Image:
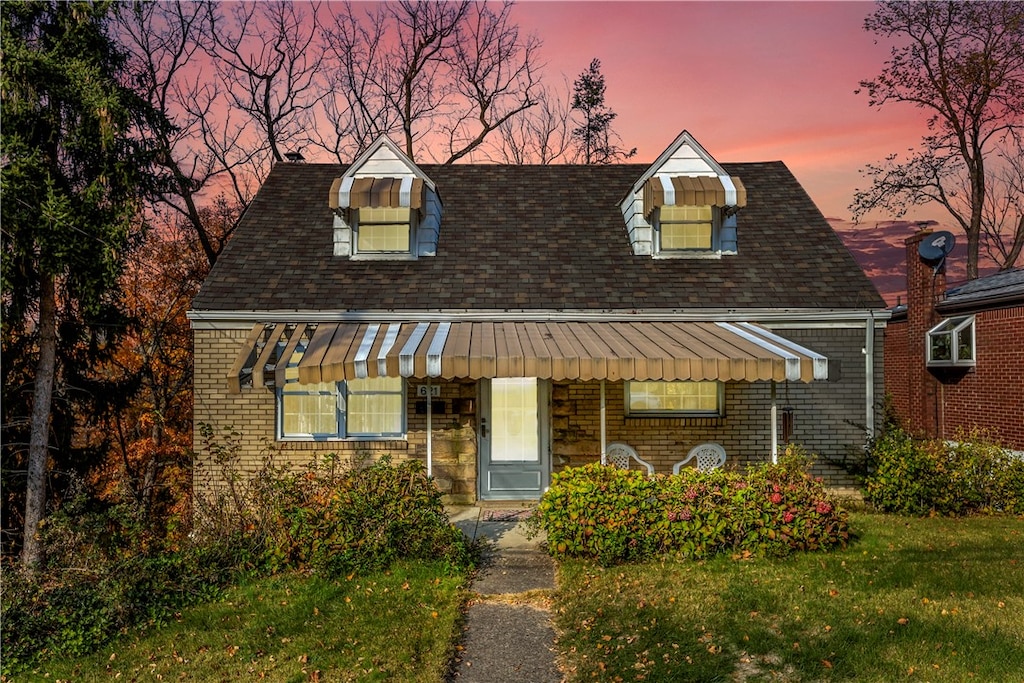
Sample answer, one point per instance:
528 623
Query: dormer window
384 229
684 205
385 207
684 229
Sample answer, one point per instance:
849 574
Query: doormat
506 515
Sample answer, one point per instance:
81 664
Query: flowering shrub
614 515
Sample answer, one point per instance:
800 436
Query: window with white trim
386 230
681 230
951 343
679 398
372 408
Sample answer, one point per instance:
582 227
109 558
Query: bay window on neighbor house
384 229
682 398
683 229
951 343
371 408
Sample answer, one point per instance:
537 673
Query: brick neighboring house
954 357
502 322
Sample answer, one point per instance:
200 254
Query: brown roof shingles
532 237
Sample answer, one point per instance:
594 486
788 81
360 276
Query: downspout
869 374
775 427
604 436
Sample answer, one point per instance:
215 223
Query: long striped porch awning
555 350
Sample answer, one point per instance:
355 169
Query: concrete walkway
507 636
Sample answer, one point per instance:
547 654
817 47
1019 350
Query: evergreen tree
594 134
72 182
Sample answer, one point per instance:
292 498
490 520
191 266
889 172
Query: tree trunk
38 450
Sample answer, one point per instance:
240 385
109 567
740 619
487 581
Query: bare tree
162 40
539 135
268 61
963 63
1002 218
452 72
239 88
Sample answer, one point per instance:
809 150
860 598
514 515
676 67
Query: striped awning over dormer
681 190
358 192
556 350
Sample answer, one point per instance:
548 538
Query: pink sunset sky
751 81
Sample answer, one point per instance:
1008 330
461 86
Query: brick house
502 322
954 357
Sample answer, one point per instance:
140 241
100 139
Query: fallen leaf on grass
827 664
903 621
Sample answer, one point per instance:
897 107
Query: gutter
206 319
981 304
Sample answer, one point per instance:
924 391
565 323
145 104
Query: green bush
614 515
332 517
107 571
70 609
966 476
335 521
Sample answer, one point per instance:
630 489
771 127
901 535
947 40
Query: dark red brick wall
990 396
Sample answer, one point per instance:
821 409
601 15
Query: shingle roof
532 237
996 289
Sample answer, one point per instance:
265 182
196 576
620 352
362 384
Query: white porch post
775 427
604 436
430 451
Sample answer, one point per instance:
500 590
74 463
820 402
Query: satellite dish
935 248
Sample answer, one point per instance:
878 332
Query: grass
910 599
396 625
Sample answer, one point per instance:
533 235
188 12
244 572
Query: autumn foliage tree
144 433
962 63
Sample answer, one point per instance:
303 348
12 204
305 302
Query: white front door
514 438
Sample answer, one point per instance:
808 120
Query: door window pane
515 424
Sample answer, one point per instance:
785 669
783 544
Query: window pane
941 346
699 214
384 228
374 414
965 343
685 227
515 428
663 397
376 406
304 413
384 214
383 237
685 236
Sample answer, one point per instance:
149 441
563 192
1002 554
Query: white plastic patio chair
709 456
619 455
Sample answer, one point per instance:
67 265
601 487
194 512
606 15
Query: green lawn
393 626
910 599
